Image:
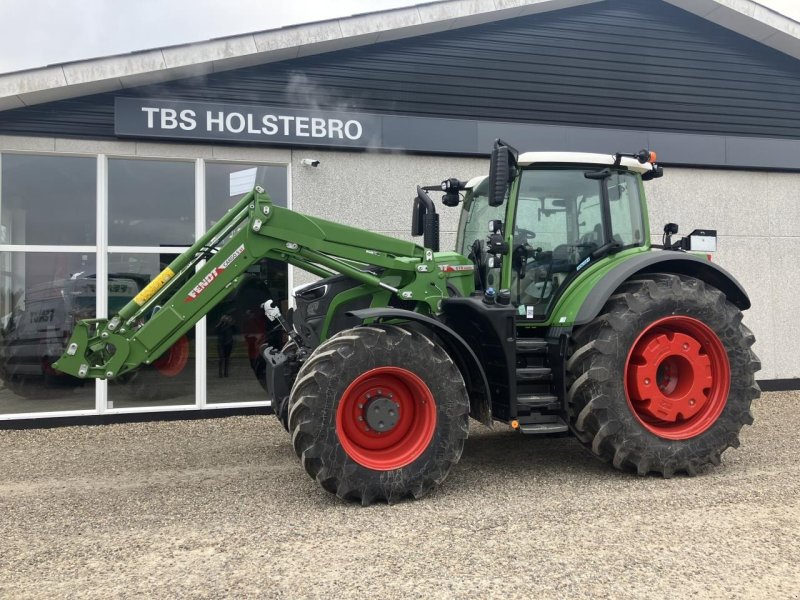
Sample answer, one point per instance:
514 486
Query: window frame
101 250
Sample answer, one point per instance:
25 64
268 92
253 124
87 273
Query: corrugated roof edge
80 78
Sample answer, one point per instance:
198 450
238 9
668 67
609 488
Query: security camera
309 162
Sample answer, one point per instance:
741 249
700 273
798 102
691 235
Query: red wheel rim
174 360
677 377
410 412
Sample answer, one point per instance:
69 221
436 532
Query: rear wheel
379 413
662 380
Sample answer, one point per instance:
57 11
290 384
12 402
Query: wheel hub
670 376
677 377
382 413
386 418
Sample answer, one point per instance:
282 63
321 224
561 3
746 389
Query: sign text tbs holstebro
269 124
143 117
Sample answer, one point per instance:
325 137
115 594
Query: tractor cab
559 212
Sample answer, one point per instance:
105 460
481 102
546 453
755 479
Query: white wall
757 218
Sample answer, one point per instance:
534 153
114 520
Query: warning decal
152 287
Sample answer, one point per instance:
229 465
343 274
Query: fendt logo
209 279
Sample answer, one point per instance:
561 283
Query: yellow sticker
155 285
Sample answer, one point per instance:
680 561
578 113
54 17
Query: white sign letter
150 112
211 121
355 126
270 124
301 126
318 127
168 120
334 126
286 124
187 120
239 127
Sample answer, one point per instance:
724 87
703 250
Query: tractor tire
280 405
280 408
662 380
411 382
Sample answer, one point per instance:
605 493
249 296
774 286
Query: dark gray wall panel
429 135
692 149
618 64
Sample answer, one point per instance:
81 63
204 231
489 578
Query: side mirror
502 171
656 172
424 220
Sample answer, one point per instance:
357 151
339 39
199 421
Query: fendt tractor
554 314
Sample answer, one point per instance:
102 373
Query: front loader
555 313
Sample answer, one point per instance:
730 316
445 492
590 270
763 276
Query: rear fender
480 407
666 261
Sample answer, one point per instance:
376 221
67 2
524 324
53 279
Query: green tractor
554 314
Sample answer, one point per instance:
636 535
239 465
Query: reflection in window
237 328
626 209
42 296
150 203
37 188
218 186
170 379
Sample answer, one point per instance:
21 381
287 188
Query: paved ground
221 508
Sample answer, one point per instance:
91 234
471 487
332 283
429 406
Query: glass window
42 295
237 328
150 202
558 224
218 186
48 200
626 209
170 380
474 227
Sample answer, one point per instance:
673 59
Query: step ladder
539 410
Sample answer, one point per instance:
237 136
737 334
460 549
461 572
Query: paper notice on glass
243 181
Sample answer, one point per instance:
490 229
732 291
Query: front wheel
379 413
662 380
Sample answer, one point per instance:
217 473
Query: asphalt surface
221 508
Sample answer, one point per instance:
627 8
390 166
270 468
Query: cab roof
582 158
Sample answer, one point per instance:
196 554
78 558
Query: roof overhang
107 74
81 78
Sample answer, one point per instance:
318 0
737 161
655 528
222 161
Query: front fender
665 261
458 349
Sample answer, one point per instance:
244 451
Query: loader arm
200 278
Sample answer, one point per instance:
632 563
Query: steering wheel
520 233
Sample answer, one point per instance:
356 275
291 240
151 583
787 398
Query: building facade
109 168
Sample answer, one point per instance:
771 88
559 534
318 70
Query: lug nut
647 381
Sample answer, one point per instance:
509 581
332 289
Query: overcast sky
35 33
